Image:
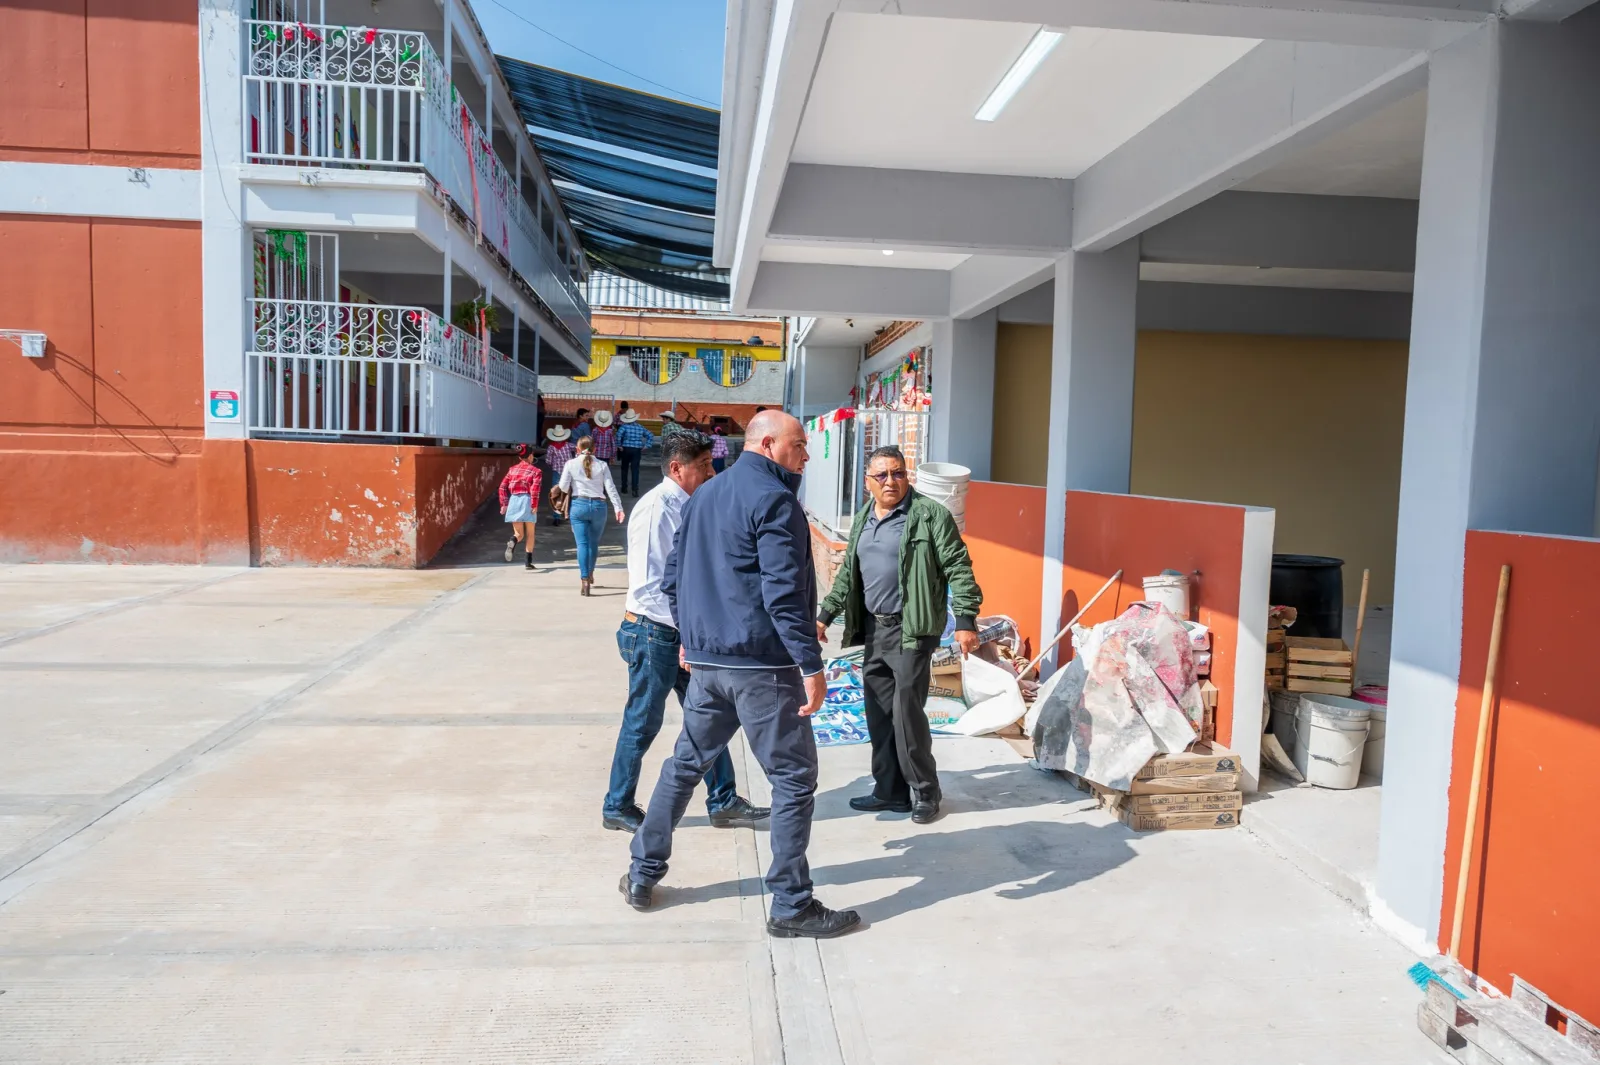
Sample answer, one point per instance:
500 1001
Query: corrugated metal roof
605 289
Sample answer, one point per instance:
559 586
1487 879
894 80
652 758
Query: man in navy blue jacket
744 595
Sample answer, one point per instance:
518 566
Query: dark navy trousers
766 703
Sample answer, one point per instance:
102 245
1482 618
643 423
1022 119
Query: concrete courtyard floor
311 816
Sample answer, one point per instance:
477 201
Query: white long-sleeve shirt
652 530
596 485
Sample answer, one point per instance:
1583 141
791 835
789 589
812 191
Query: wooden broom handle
1490 682
1361 617
1029 668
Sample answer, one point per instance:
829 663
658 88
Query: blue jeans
651 651
629 459
588 517
764 703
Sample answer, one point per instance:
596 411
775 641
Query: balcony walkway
306 815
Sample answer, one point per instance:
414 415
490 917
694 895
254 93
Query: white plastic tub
1331 739
946 484
1171 590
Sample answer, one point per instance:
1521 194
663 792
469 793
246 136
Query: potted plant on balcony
467 313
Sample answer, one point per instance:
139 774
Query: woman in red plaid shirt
558 453
519 501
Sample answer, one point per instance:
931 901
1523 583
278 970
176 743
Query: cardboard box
1161 822
1191 802
946 669
948 685
1204 760
1211 782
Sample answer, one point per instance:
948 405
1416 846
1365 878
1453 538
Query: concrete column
1090 436
963 392
1500 429
225 246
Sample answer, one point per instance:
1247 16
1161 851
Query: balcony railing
332 96
351 369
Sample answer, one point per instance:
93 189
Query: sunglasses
884 478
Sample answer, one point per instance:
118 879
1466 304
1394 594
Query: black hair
582 411
887 451
622 406
685 447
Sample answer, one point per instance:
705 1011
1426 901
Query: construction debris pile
1127 719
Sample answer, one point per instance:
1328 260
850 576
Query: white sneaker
511 548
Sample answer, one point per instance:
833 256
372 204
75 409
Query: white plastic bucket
946 483
1171 590
1331 739
1372 760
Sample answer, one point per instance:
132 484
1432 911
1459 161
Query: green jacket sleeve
966 598
834 604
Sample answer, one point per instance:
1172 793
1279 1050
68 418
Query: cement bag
993 698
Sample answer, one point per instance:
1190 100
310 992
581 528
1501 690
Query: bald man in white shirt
648 642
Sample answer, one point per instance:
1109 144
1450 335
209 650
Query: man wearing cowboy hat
559 453
632 439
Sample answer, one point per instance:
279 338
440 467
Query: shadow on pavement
1024 860
994 787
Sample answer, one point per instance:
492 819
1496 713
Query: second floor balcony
382 99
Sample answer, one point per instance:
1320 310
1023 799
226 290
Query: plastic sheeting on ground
1128 694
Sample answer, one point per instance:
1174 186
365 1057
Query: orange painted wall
450 486
641 325
1142 536
101 81
1005 536
1534 882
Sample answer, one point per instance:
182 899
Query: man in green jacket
905 556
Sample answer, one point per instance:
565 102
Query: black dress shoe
816 921
638 895
925 813
627 820
871 804
741 813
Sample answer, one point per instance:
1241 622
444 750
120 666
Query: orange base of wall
236 502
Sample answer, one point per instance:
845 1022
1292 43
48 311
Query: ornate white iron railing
340 96
351 369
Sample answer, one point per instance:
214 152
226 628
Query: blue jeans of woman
651 651
588 517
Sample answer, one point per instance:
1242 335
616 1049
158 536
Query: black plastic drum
1314 586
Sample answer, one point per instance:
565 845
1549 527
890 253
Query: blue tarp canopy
645 220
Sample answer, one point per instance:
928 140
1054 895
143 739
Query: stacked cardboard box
946 679
1319 665
1195 790
1279 618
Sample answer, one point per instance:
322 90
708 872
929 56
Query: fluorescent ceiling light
1042 44
888 251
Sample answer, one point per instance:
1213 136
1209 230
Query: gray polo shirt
878 556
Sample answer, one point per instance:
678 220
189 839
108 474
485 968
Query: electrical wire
667 88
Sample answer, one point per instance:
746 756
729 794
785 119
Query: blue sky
675 43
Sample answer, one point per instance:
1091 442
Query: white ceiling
841 256
1277 277
1378 156
893 91
845 332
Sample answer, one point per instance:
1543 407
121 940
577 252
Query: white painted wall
830 374
962 367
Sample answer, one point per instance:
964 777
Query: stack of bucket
946 483
1330 739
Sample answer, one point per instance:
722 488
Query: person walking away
719 449
904 561
580 424
742 592
648 642
632 440
557 455
669 424
519 502
605 437
587 482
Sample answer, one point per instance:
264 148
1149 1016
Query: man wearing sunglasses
905 558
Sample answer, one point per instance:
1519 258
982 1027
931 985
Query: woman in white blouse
587 482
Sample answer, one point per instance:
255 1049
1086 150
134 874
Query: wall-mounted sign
223 405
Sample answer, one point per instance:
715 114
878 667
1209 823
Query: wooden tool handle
1029 668
1485 713
1361 617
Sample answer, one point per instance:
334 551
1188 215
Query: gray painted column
225 246
963 392
1091 395
1500 428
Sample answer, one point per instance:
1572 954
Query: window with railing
674 365
725 369
740 367
645 362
